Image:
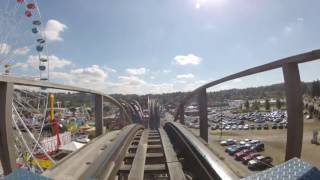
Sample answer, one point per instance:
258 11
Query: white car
228 142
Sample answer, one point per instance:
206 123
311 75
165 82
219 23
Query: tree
311 110
256 105
315 88
247 105
278 104
267 104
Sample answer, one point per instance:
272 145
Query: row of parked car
251 126
260 117
247 151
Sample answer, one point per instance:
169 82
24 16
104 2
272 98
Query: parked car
260 120
260 163
259 127
227 127
274 126
252 126
242 153
246 127
235 149
266 126
258 147
228 142
231 147
245 141
214 127
240 127
249 157
280 126
277 120
254 141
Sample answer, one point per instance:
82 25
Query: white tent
72 146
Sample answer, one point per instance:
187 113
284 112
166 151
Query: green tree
278 104
315 88
247 105
267 104
256 105
311 110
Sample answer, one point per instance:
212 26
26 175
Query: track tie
147 168
148 155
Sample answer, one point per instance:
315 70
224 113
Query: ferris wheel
22 33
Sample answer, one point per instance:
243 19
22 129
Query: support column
181 113
99 114
7 151
203 114
294 110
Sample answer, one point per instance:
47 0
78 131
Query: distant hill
262 92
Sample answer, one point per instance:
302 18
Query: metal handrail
300 58
293 91
45 84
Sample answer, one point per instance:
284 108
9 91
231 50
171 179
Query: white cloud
166 71
131 80
54 62
187 59
61 75
272 40
21 51
137 71
193 85
300 19
185 76
53 30
237 80
4 48
22 66
288 29
108 69
90 74
139 88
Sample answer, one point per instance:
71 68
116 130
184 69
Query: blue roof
294 169
25 175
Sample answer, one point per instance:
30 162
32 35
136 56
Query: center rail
151 156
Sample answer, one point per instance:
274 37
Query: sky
152 46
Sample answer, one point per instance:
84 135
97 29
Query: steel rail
205 164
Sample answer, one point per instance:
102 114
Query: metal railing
293 92
7 83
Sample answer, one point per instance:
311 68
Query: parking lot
274 140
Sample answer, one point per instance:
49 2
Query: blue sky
149 46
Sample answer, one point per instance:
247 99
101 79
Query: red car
246 159
243 153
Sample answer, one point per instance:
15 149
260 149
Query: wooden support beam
294 110
7 151
203 114
99 114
